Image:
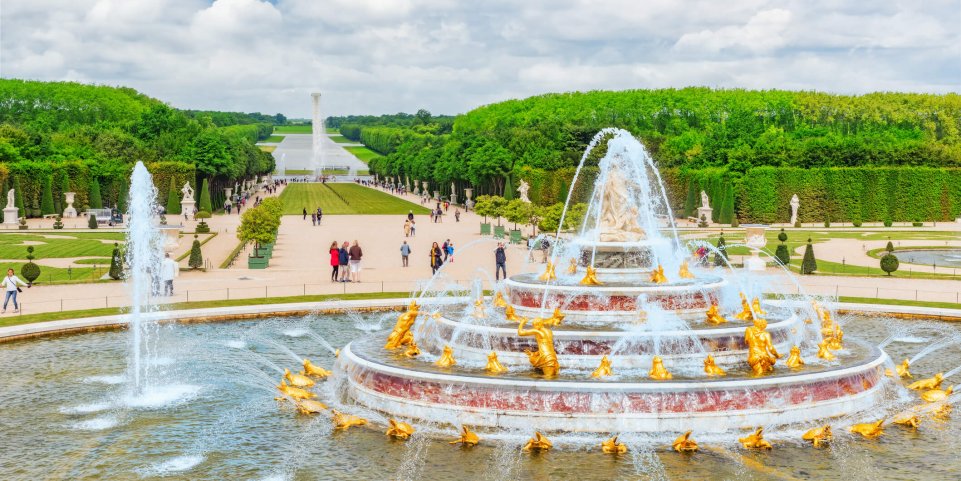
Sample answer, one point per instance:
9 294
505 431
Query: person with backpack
443 249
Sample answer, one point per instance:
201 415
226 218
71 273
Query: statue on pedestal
11 199
187 191
618 212
522 190
795 205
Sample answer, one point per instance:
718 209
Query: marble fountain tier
624 301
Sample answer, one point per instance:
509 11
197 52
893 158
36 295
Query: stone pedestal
453 198
227 192
187 207
10 216
755 238
69 212
706 212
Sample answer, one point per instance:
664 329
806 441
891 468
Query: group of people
315 216
439 255
345 262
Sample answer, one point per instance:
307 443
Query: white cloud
377 56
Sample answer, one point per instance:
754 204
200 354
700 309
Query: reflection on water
60 400
938 257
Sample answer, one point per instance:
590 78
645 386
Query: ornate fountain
628 336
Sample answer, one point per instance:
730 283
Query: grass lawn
80 244
336 171
362 200
363 172
98 261
57 275
268 148
362 153
273 139
340 139
333 130
298 172
293 129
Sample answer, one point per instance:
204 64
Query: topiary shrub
196 257
58 224
173 199
827 223
720 258
202 226
809 264
116 263
23 224
735 223
888 222
703 222
889 247
917 224
856 223
92 222
797 224
889 263
30 271
782 254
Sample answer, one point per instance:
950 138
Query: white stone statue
795 205
618 212
522 190
11 213
187 191
11 199
705 201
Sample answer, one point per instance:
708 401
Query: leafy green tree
95 201
18 197
720 257
889 263
484 206
46 202
423 116
173 199
30 271
116 263
205 204
196 257
122 197
258 225
809 264
518 212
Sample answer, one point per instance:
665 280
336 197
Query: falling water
144 248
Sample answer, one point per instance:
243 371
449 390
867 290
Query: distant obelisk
317 127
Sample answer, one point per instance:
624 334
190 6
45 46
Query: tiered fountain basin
619 299
386 381
583 346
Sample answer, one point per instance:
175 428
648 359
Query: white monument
619 215
317 127
522 190
10 213
453 193
755 238
69 212
187 203
795 204
705 209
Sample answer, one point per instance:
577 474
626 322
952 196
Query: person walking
305 213
450 251
500 261
227 206
443 249
343 258
456 215
313 218
12 284
355 255
168 272
320 215
413 228
404 252
407 228
410 215
435 258
334 260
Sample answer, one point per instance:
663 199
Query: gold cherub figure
835 341
714 315
479 311
684 443
868 430
412 350
510 314
493 365
467 438
745 314
399 430
545 358
538 443
590 278
548 274
557 317
684 272
401 335
572 266
756 440
824 352
343 421
611 446
658 371
929 383
711 368
298 380
904 369
818 436
756 306
499 300
604 369
447 358
761 352
313 370
794 359
294 392
657 275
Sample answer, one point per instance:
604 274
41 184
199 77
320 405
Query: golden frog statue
818 436
745 314
907 419
755 441
313 370
538 443
935 395
545 358
447 358
298 380
557 317
399 430
499 300
711 368
611 446
714 315
307 406
756 306
510 314
657 275
401 335
479 311
658 371
824 352
604 369
761 353
794 359
548 274
412 350
467 438
868 430
904 369
684 443
684 272
343 422
929 383
836 341
493 365
294 392
590 278
572 267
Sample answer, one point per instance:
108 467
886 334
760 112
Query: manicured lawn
340 139
81 244
293 129
333 130
298 172
362 153
363 172
58 275
98 261
352 199
273 139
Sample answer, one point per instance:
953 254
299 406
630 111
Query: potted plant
498 207
257 225
484 206
517 211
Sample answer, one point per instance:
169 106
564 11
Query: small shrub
196 257
703 222
809 264
735 223
116 263
782 254
889 263
720 257
58 224
23 223
782 236
30 271
797 224
856 223
202 226
92 222
889 247
917 224
888 222
827 223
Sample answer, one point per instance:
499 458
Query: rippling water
939 257
64 414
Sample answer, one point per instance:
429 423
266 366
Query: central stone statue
618 212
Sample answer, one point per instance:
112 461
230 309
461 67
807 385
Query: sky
387 56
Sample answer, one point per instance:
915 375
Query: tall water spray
144 255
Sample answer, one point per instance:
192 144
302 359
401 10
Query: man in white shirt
168 271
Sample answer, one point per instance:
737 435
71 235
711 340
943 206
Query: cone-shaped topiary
196 257
720 257
18 194
889 263
809 264
30 271
116 263
122 197
46 198
889 247
508 188
96 202
726 216
173 200
92 222
204 205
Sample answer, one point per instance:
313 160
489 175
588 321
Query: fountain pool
939 257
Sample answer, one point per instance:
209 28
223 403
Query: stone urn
755 238
70 211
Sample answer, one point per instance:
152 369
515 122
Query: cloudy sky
383 56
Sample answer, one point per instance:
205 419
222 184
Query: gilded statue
399 430
868 430
761 353
714 315
401 335
824 352
604 369
447 358
298 380
307 406
935 395
619 216
929 383
836 341
755 441
314 371
794 359
685 272
557 317
294 392
494 366
510 314
684 443
657 275
745 314
904 369
711 368
343 421
611 446
658 371
499 300
548 274
467 438
572 267
590 278
756 306
412 350
538 443
545 358
908 419
818 436
479 311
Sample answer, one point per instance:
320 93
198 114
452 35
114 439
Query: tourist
227 206
169 270
413 228
343 260
407 228
313 218
11 283
320 214
334 260
457 215
450 251
500 261
404 252
410 215
443 249
435 258
305 213
355 255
